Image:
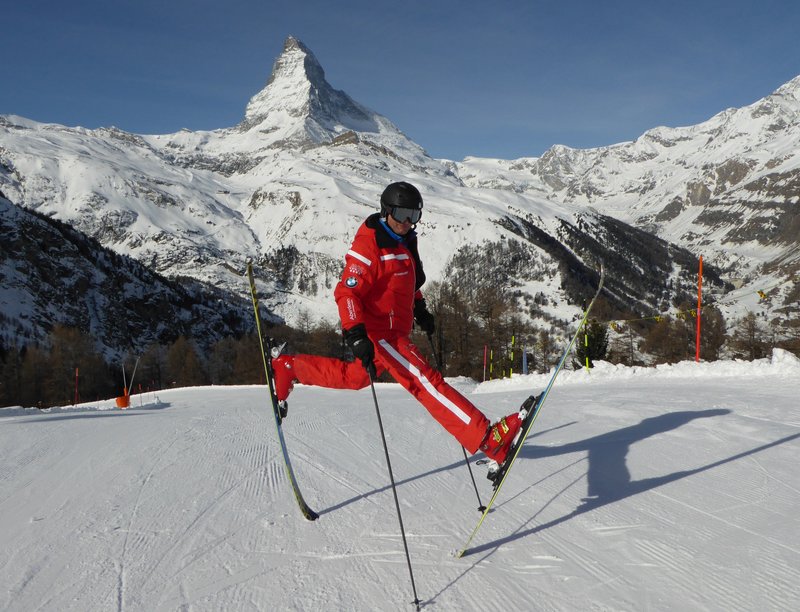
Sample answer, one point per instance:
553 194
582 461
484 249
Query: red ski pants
402 360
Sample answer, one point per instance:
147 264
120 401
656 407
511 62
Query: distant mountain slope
728 188
50 273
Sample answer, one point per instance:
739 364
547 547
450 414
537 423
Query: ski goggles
400 214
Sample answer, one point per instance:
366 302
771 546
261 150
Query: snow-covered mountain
727 188
289 185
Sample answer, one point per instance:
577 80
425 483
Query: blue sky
493 79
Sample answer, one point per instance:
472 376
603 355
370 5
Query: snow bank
147 400
781 364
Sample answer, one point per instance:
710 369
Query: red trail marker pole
699 307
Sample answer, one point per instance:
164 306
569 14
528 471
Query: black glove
362 347
424 318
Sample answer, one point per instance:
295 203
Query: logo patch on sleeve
351 281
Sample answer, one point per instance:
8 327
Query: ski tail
266 350
537 410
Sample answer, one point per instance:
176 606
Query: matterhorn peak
299 103
295 74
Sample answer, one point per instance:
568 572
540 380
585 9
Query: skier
379 299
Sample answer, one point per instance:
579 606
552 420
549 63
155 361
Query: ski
278 411
530 419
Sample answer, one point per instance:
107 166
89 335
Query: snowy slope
671 488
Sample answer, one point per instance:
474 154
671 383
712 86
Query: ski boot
503 439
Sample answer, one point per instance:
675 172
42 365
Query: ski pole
394 489
438 364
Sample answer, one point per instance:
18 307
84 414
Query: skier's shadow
609 479
608 476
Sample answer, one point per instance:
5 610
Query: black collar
383 238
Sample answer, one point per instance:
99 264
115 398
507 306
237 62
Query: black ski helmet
400 195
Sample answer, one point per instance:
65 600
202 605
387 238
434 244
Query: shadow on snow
608 477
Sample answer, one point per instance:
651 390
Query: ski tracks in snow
620 500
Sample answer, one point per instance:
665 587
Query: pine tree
32 375
749 338
592 344
712 334
248 368
667 341
183 365
71 349
152 367
11 376
222 361
547 348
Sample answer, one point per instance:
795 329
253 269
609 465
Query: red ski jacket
380 281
